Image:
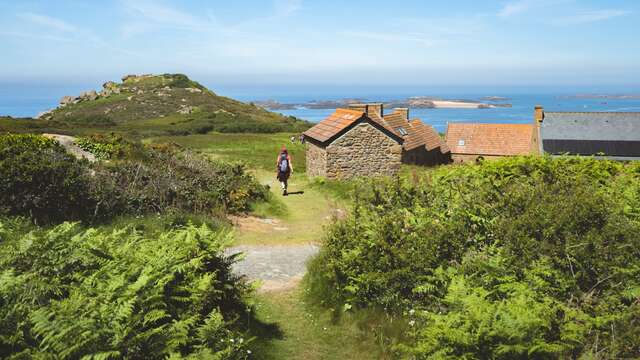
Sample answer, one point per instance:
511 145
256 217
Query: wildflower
412 322
249 352
411 312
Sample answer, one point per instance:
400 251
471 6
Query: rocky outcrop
66 100
88 96
185 109
109 88
133 77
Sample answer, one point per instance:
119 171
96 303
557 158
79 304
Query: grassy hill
149 105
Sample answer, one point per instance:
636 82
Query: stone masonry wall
363 151
316 160
466 158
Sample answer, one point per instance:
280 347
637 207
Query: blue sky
454 43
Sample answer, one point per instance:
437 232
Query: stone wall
316 160
421 156
363 151
466 158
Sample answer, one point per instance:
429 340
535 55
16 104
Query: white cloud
518 7
515 7
590 16
285 8
158 13
48 21
420 39
31 36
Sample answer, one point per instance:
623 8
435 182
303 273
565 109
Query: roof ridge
350 111
492 124
592 112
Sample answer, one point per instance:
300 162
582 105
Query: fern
72 293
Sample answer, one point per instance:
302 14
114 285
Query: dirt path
276 249
69 143
278 267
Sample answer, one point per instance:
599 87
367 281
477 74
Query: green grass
301 216
307 332
258 151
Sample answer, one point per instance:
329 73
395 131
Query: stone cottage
362 141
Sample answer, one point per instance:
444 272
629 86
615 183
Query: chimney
358 107
402 111
377 108
538 114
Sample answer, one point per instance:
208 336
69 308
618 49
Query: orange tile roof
381 121
333 124
395 121
490 139
429 137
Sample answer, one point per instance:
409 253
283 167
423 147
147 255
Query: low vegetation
521 258
40 180
70 292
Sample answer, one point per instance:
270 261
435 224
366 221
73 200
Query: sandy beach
447 104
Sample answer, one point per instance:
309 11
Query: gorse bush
70 293
105 147
520 258
39 179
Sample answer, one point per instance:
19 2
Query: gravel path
278 267
69 143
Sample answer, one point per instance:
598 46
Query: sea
29 100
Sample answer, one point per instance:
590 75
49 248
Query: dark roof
490 139
614 134
591 126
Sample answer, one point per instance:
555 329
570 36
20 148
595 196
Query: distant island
420 102
495 98
604 96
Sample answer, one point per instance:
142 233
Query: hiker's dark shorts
283 176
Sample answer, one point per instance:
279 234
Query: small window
402 131
461 142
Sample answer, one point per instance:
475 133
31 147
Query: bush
526 257
72 293
38 178
105 147
167 181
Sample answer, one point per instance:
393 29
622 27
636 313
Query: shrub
168 181
105 147
38 178
72 293
526 257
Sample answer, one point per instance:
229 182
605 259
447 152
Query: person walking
284 167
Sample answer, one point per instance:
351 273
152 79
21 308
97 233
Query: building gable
342 121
